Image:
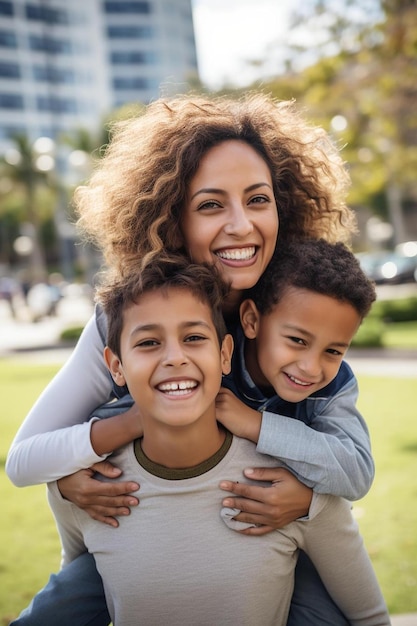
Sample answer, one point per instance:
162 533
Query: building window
6 8
11 101
45 14
50 45
7 39
127 7
130 83
130 32
134 84
10 132
53 75
132 58
9 70
56 105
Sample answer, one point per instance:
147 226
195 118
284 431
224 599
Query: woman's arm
54 439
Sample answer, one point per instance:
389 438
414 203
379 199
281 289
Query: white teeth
299 382
238 254
178 388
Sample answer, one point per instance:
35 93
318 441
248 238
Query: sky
229 33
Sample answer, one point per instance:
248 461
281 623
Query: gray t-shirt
174 560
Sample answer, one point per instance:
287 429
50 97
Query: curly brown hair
131 207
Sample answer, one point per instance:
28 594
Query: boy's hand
103 501
240 419
284 501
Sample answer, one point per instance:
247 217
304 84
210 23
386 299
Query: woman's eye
209 204
259 199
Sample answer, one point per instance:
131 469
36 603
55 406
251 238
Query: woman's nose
239 223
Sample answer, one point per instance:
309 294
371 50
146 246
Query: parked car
389 266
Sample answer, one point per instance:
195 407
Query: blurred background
67 69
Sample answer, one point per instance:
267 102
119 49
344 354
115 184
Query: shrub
401 310
370 333
71 335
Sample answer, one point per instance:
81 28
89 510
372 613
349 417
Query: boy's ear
226 354
115 366
249 318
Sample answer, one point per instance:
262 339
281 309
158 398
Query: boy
172 560
296 325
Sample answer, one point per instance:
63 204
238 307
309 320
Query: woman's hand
103 501
272 507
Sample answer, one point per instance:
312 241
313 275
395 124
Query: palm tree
19 166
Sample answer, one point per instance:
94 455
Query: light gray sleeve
332 454
72 539
54 439
333 542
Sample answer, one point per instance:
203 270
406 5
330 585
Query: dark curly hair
131 207
330 269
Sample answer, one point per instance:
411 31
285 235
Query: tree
363 69
19 166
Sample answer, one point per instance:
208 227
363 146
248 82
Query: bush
71 335
402 310
370 334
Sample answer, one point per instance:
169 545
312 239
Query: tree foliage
363 68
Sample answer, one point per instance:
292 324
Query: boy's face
298 347
171 360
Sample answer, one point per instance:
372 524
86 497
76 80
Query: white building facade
66 64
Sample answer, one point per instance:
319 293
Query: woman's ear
115 366
226 354
249 318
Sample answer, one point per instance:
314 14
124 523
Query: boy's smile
178 388
172 363
297 347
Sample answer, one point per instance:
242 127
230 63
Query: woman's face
230 217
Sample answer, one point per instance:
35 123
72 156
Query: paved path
410 619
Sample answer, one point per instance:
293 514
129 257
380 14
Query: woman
215 179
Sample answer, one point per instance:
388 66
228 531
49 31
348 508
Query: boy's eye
195 338
297 340
146 343
334 352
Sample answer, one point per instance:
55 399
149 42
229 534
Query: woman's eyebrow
215 190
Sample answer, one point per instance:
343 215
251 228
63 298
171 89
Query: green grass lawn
401 335
387 516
